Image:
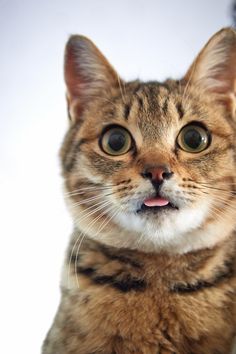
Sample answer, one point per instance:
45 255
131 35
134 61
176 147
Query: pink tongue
151 202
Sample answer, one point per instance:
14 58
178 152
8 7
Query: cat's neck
94 262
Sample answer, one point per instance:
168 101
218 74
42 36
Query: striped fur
149 281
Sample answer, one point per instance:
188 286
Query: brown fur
154 318
139 283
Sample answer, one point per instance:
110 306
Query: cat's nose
157 174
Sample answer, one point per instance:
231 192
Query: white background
142 38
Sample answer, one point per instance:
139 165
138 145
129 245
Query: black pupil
116 140
193 138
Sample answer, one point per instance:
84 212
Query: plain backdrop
142 38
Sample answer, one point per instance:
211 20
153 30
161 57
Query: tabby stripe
165 105
70 159
73 153
140 102
121 258
126 111
180 110
204 284
81 142
68 156
85 271
126 284
153 92
189 288
69 165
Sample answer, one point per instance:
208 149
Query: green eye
116 141
193 138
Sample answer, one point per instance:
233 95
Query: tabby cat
150 180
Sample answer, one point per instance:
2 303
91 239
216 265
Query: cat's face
150 165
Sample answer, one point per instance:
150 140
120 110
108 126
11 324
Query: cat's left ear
214 69
88 75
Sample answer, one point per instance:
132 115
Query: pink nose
157 173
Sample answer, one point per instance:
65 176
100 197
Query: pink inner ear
73 78
214 69
226 73
87 73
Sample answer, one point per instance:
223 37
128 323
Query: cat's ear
214 69
88 74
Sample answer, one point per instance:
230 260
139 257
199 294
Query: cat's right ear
88 74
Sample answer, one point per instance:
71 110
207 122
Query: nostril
167 175
147 175
157 173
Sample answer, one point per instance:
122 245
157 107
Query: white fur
170 231
177 231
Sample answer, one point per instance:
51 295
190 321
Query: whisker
119 82
91 188
221 183
185 96
82 234
210 187
140 238
107 220
221 212
226 205
219 189
87 189
124 87
85 201
87 231
221 198
70 260
74 205
217 213
101 215
76 259
85 215
213 192
212 181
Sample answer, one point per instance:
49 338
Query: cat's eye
193 138
116 141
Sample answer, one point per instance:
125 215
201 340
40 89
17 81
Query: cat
150 180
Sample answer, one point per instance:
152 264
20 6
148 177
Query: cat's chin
169 228
162 221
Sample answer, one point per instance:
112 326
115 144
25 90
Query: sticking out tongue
158 201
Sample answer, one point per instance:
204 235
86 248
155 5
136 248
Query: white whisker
85 201
70 260
84 235
86 189
99 207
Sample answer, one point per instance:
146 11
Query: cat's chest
131 302
151 320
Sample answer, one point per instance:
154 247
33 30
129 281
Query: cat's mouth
156 204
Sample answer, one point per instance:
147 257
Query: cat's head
152 165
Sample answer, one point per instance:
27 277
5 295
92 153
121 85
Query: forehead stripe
180 110
165 105
126 111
